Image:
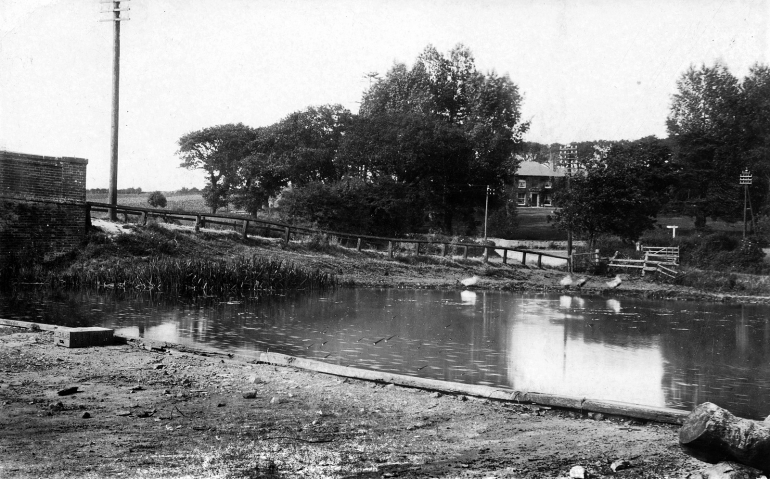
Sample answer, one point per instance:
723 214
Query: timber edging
613 408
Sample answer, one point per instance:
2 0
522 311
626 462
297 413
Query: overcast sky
588 69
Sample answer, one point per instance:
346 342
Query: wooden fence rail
243 223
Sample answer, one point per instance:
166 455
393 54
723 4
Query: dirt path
140 413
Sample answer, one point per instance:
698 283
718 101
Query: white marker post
673 230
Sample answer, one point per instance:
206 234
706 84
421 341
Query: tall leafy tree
705 123
217 150
619 193
298 150
442 127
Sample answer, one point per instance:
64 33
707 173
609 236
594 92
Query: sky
588 69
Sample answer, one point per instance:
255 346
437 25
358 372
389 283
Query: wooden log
712 434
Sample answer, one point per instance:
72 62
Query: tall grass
243 276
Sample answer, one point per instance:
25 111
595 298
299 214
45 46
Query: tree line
432 139
718 126
418 156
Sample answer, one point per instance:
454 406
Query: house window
547 185
522 183
547 200
521 198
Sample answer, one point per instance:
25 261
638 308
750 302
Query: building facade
534 183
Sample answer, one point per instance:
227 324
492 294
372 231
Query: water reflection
651 352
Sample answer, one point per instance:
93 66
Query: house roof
533 168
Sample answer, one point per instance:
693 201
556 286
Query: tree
705 123
157 199
621 194
218 151
298 150
442 128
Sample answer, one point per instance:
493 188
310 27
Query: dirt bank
370 268
140 413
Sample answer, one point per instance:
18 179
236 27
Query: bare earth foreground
144 412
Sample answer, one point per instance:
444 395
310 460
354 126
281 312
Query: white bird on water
470 281
614 283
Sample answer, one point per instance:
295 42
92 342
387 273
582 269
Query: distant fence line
285 230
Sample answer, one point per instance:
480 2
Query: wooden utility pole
115 18
568 155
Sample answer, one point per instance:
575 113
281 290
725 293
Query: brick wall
42 204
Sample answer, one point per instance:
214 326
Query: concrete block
83 337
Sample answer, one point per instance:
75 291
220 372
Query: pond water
658 353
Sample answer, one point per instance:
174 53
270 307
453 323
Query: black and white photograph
385 239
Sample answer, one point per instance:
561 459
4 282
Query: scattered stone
599 416
619 465
221 404
68 391
57 406
578 472
159 366
731 470
122 412
250 394
166 391
136 388
390 386
590 415
254 379
275 400
180 395
462 398
435 394
86 415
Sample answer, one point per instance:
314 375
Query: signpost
568 157
745 180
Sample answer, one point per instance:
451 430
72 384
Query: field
192 202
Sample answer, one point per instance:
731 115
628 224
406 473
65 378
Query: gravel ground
144 412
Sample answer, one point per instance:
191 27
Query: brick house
534 183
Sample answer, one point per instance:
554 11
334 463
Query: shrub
157 200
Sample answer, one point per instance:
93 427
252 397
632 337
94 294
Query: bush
157 200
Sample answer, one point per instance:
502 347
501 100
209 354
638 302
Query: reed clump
242 276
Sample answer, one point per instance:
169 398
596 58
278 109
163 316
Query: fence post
245 229
87 220
505 255
523 257
540 261
390 249
417 248
444 247
144 218
465 252
486 254
358 245
644 265
287 234
197 223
